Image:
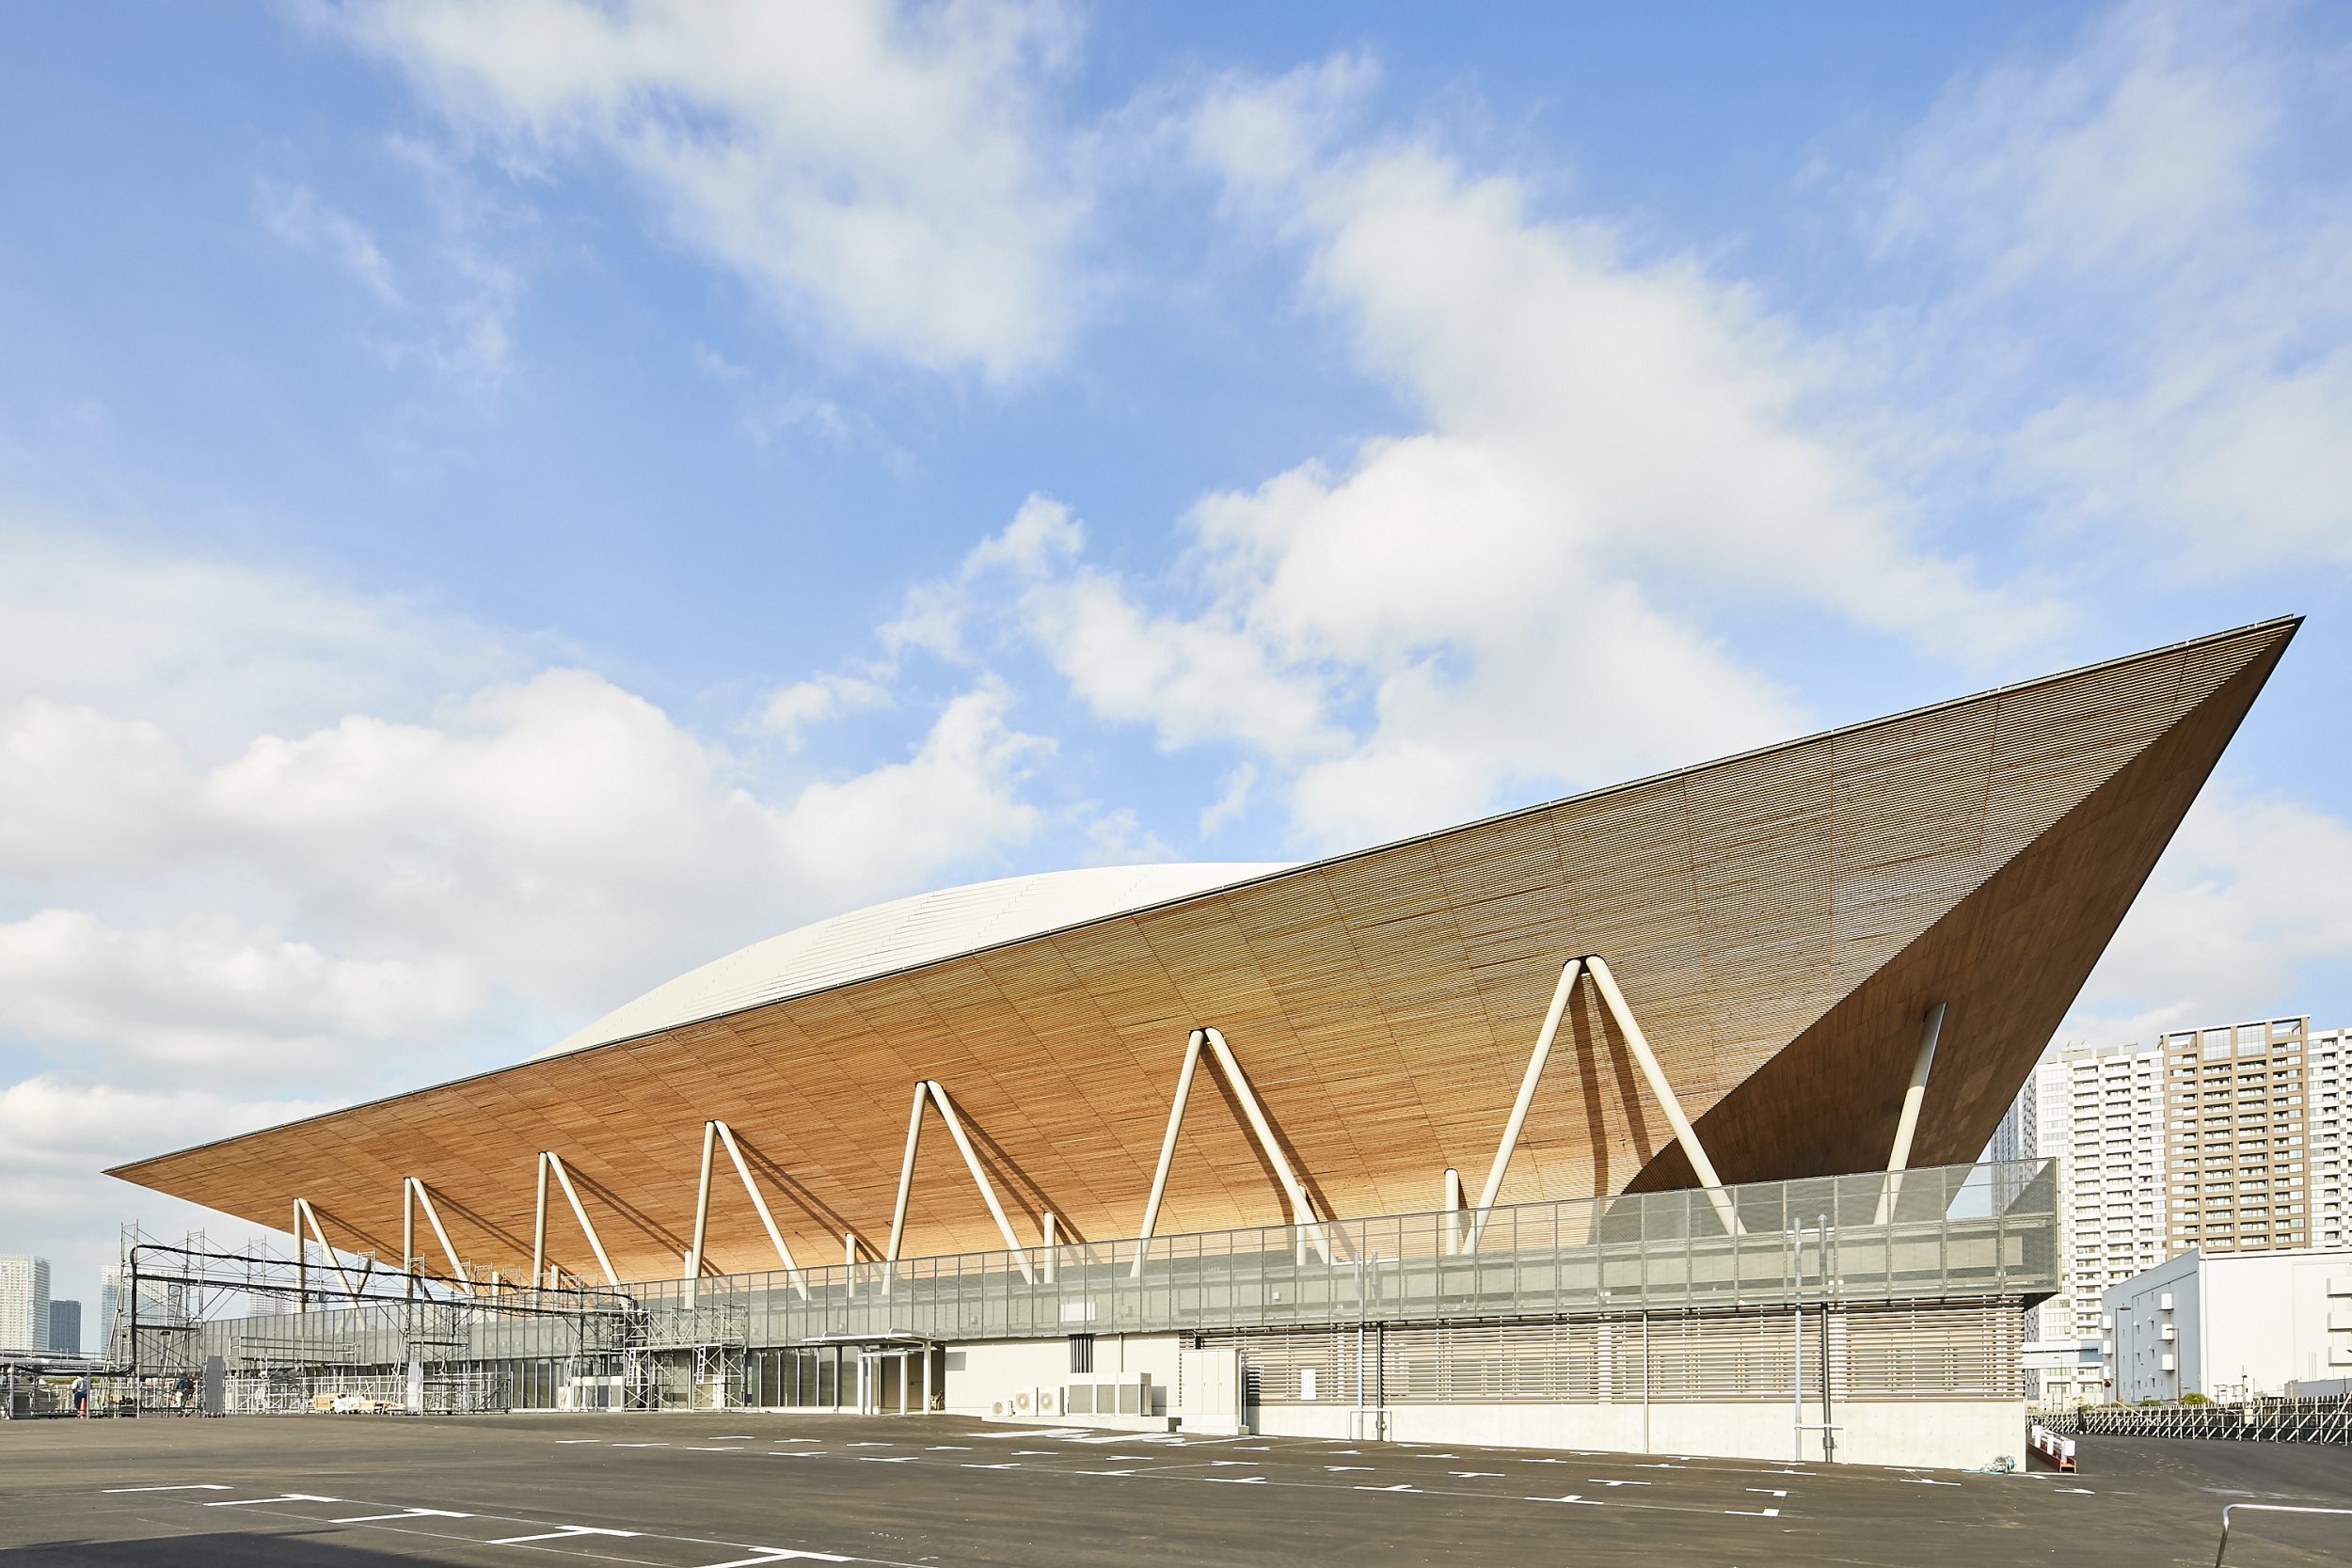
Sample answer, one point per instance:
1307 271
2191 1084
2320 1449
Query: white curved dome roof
883 938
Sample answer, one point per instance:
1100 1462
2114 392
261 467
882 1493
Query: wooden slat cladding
1778 922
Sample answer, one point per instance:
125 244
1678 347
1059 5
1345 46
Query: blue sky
499 504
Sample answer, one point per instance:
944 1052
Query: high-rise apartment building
2238 1102
65 1328
109 1307
2113 1195
2227 1139
2330 1078
2054 1137
23 1302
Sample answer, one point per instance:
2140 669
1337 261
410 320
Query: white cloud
1510 600
296 217
790 709
267 829
2253 896
2146 326
215 651
884 173
211 993
63 1130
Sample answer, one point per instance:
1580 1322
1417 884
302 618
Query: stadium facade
1623 1120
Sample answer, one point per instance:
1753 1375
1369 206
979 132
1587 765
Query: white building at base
2241 1325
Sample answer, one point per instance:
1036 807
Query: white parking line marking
192 1486
1493 1475
1246 1463
561 1442
641 1445
1102 1472
1336 1468
1037 1453
1238 1480
1922 1480
886 1459
1768 1492
1007 1465
736 1447
733 1438
949 1448
562 1532
1755 1513
1401 1486
796 1453
778 1554
1661 1466
1571 1498
404 1514
289 1498
1596 1481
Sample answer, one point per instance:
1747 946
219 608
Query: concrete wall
1948 1434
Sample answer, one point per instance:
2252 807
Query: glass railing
1986 1230
1947 1231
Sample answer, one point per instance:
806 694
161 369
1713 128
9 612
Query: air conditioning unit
2168 1332
1021 1404
996 1408
2167 1364
2164 1302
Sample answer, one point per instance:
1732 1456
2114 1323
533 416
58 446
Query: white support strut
930 1089
539 1228
1664 1092
759 1205
563 1179
980 1176
1907 1124
1536 1059
309 1216
433 1218
906 1171
1302 1210
701 1205
1168 1148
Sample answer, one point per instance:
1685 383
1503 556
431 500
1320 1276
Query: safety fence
2278 1420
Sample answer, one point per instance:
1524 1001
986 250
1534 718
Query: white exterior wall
1948 1434
23 1302
2244 1324
1952 1434
984 1376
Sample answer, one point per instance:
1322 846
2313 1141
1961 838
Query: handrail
2263 1508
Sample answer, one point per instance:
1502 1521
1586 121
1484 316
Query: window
1082 1353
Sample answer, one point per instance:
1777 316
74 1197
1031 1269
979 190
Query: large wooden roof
1778 922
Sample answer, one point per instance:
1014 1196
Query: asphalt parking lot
737 1489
